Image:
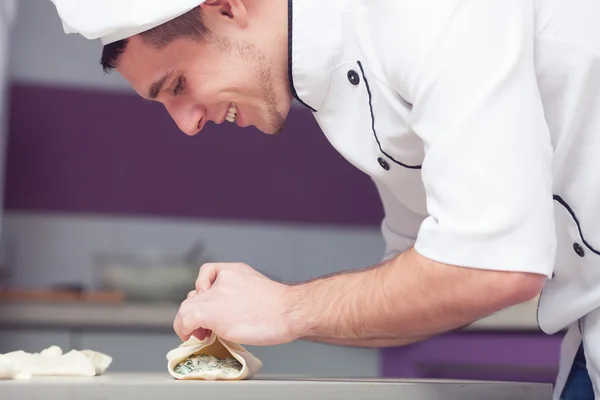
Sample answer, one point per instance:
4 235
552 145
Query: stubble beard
269 98
268 95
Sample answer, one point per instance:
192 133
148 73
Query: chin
269 130
272 123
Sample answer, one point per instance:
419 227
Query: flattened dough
52 362
212 359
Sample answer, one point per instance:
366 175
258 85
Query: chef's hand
237 303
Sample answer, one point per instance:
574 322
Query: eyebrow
157 86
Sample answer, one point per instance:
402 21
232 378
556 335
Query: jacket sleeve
399 226
487 169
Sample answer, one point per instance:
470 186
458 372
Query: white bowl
146 278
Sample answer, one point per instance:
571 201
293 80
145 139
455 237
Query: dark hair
188 25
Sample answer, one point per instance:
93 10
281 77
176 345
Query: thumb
201 333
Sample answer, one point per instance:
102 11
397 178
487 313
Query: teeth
231 114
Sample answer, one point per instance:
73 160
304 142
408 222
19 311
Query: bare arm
404 300
396 342
377 343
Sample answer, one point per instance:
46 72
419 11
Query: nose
189 119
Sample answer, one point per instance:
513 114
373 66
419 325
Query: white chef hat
113 20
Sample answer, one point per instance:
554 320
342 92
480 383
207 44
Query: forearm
368 342
377 343
403 298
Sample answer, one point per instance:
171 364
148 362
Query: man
478 121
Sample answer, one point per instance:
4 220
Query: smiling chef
477 120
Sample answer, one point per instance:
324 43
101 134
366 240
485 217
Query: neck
275 15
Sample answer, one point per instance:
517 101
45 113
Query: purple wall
86 151
498 356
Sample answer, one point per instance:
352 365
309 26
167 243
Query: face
237 73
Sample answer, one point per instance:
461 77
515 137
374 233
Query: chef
477 120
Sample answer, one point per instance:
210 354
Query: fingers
207 275
181 324
209 272
178 327
191 320
201 333
185 325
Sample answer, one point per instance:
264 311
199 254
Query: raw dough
52 362
213 358
7 368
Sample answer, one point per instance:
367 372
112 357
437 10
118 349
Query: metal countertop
162 386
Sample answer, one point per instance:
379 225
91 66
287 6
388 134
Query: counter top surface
159 386
521 317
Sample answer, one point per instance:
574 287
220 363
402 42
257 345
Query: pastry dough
213 358
52 362
7 368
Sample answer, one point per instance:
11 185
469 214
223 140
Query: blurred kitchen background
108 210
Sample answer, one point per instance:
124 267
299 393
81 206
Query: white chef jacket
479 123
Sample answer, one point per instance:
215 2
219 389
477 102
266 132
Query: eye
179 86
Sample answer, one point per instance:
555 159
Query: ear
233 10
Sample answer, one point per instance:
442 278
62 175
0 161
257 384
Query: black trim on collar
362 71
290 54
566 205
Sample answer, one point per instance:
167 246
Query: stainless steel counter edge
130 316
154 386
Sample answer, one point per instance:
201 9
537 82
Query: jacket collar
314 33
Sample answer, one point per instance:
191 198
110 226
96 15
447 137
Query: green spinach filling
229 366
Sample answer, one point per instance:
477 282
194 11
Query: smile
232 113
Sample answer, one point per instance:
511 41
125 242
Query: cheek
173 109
216 91
181 109
229 83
